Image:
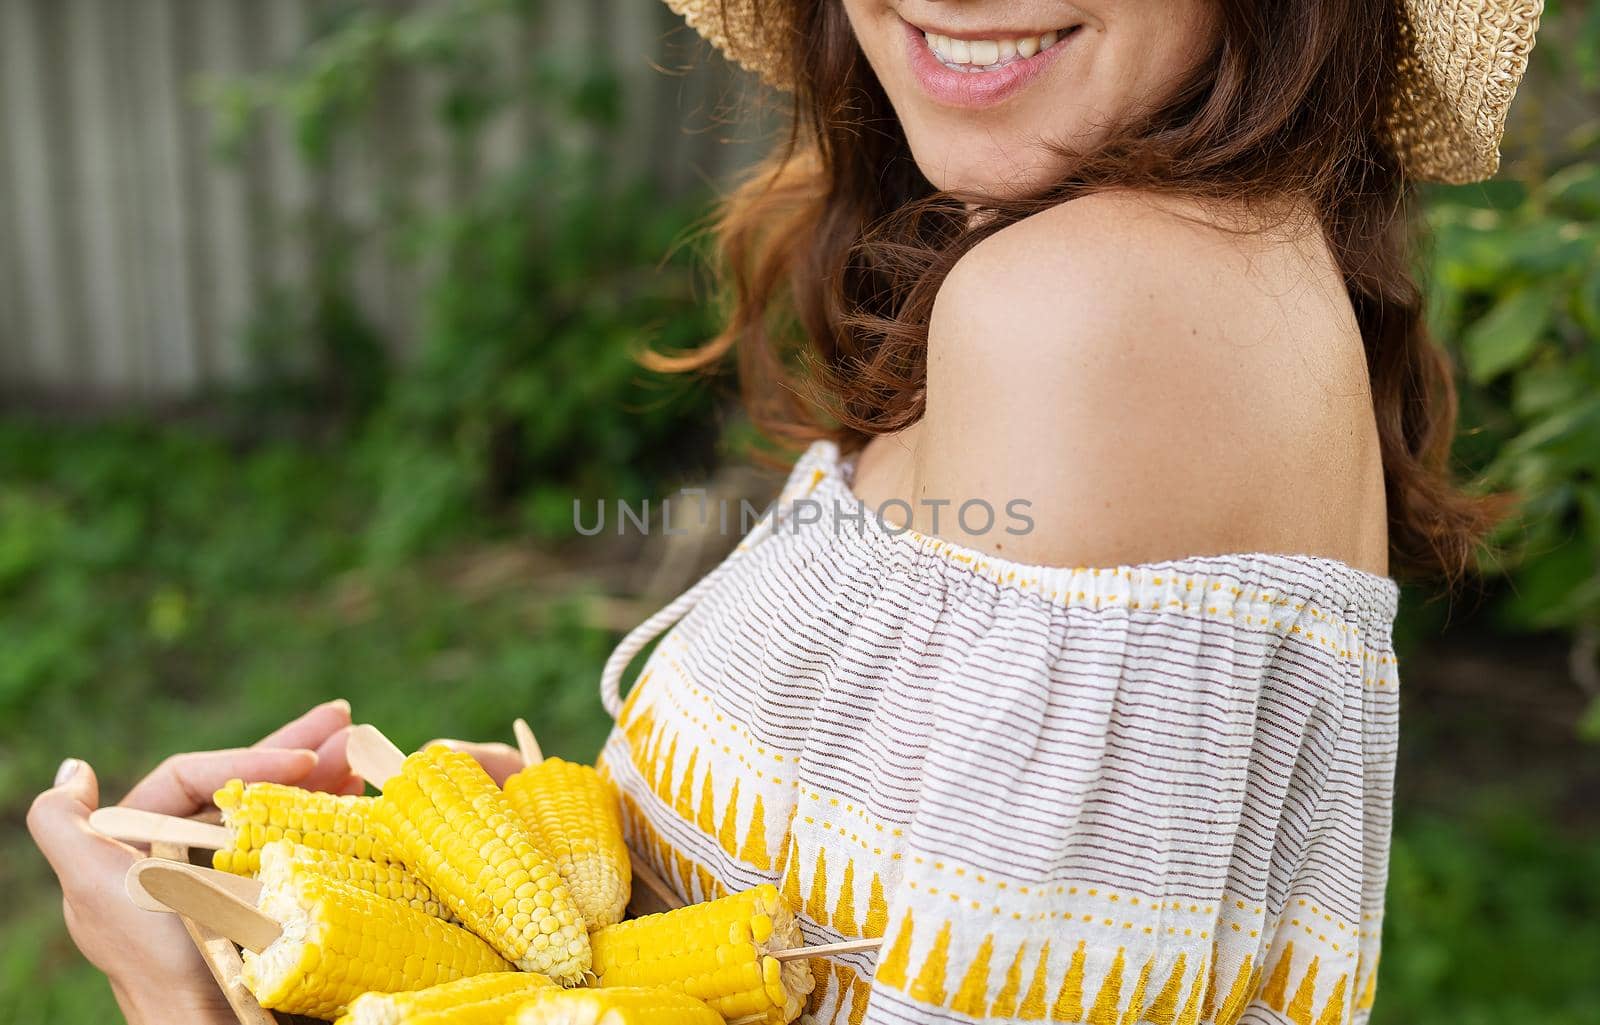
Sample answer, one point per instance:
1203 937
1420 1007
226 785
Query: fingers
333 768
312 729
500 760
183 784
59 823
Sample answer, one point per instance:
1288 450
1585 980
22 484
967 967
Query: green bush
538 290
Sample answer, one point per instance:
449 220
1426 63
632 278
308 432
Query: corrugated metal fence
132 258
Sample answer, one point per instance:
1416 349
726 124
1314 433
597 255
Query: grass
165 589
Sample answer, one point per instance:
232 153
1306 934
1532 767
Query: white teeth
987 53
984 51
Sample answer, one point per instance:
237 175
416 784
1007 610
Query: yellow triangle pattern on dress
708 806
892 969
860 990
1299 1010
821 984
972 997
755 850
1108 1002
928 986
685 871
877 910
844 912
728 835
846 977
1208 1005
791 878
1069 998
817 906
1164 1008
1136 1002
664 781
684 805
1033 1001
1333 1010
1244 983
1370 991
638 733
625 713
1277 989
1005 1002
1191 1010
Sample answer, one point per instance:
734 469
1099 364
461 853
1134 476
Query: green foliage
1514 284
1489 920
165 590
540 286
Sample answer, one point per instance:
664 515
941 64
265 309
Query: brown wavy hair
831 254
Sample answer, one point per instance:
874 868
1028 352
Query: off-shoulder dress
1153 793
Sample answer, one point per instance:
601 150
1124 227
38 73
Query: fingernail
69 769
340 703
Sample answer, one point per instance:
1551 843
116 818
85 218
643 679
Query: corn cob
621 1006
455 830
339 942
573 816
476 1000
281 859
716 952
259 813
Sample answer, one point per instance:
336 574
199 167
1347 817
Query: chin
986 168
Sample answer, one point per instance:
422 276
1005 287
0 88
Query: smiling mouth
983 55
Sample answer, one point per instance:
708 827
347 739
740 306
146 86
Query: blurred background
317 315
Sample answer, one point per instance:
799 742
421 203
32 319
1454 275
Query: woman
1117 284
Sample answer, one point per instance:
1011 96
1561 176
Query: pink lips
972 89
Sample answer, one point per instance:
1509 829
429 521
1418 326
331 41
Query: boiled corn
339 942
477 1000
259 813
716 952
620 1006
573 817
455 830
281 859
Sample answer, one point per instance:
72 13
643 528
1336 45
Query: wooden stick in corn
313 944
477 1000
455 830
527 744
221 957
148 827
719 951
625 1005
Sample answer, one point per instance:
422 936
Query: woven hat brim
1461 65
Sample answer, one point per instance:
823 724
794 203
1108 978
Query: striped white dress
1157 793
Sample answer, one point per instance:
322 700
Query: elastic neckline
1330 583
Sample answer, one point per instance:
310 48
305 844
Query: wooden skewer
527 743
219 954
827 949
666 899
191 892
373 756
148 827
243 887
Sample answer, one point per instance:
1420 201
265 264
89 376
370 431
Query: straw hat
1463 61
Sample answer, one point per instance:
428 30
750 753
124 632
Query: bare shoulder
1156 380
